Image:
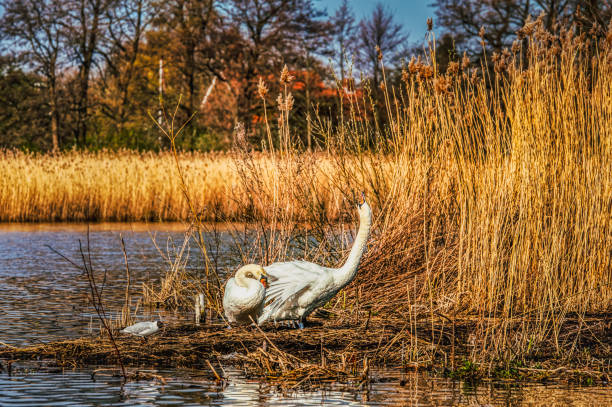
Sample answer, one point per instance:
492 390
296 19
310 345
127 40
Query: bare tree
36 29
465 18
554 10
589 16
501 19
379 35
192 28
120 48
592 15
272 33
85 29
344 32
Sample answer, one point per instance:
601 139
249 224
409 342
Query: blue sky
412 14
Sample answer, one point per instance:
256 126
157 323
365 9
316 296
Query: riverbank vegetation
133 186
491 197
324 352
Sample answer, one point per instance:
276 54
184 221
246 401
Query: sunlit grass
492 194
129 186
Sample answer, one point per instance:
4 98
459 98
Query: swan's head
362 206
254 271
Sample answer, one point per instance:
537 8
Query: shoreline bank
329 351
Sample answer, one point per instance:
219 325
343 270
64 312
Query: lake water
43 298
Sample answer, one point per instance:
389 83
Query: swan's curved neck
346 273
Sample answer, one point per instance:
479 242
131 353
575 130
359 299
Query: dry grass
77 186
322 353
491 198
127 185
492 195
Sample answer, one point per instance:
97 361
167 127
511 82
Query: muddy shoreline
328 351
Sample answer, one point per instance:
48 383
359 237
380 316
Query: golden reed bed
492 195
127 186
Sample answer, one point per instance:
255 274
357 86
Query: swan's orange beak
359 204
264 281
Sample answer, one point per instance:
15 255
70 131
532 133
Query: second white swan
297 288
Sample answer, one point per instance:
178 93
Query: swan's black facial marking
360 204
357 202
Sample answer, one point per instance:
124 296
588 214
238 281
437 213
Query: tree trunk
54 135
54 113
88 44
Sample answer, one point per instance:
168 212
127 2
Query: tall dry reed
491 190
129 186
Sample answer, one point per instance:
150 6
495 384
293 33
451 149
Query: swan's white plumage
244 295
299 287
294 287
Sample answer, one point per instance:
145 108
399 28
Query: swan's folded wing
287 281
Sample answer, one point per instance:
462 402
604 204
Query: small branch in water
8 345
136 375
125 313
214 371
96 298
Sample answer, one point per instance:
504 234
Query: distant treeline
94 73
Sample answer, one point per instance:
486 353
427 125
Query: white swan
297 288
244 294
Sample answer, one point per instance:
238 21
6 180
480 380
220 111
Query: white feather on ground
143 329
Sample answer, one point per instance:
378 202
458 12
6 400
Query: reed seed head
453 68
482 33
413 65
289 100
609 35
528 28
285 77
465 61
262 89
285 104
442 85
425 72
